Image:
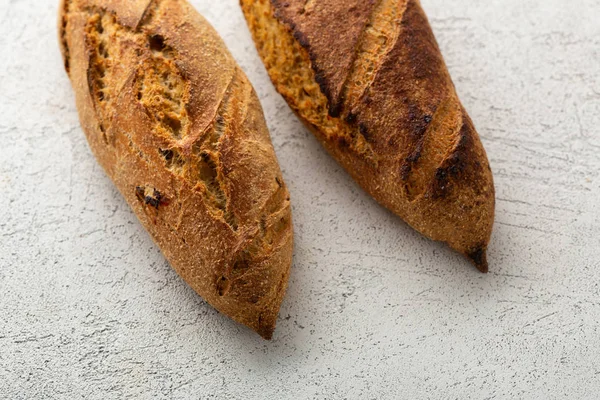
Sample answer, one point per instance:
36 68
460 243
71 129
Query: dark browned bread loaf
367 77
179 129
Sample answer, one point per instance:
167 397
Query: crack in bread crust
344 22
149 13
290 68
440 138
164 93
378 38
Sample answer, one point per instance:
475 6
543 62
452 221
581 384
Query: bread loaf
368 79
178 128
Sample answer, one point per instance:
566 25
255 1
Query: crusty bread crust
178 127
367 77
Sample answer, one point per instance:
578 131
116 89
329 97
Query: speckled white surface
90 309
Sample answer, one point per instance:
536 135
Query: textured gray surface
89 307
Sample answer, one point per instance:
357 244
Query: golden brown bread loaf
179 129
368 79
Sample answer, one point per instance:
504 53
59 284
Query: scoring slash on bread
179 129
368 79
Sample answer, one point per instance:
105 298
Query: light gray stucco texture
90 309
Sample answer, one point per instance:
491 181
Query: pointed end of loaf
266 333
266 324
479 258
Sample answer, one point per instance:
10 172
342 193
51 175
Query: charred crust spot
299 36
335 110
405 170
364 131
223 286
418 124
351 118
442 181
343 142
153 198
479 258
152 201
415 156
477 255
441 174
139 191
454 166
279 183
264 328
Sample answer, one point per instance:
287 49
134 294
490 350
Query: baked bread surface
368 79
178 128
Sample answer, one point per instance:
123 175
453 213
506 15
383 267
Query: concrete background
90 309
